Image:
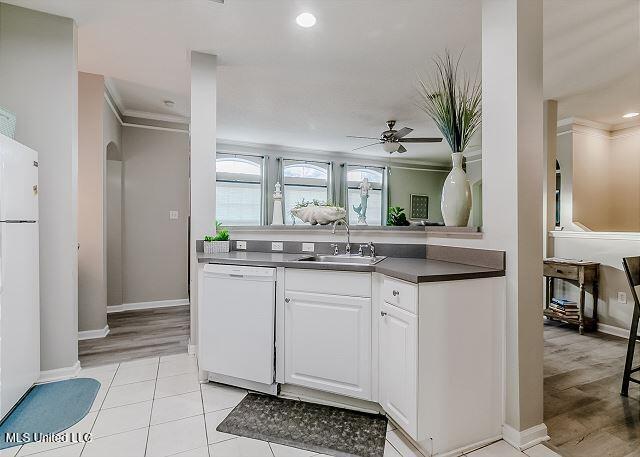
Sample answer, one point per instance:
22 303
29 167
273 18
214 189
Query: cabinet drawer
401 294
561 271
348 283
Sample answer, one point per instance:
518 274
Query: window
375 206
238 190
304 181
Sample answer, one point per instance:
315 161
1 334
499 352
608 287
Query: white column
512 192
549 186
202 163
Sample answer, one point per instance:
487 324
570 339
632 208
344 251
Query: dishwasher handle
239 272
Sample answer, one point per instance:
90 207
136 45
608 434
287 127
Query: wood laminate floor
138 334
583 409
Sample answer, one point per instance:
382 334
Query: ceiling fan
391 139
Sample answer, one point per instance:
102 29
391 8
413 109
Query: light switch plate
277 246
241 245
173 215
308 247
622 297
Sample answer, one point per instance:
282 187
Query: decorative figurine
277 206
361 210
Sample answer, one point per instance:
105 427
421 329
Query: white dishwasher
236 323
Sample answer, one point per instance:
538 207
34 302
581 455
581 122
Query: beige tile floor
156 407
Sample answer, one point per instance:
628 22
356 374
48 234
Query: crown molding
233 146
155 116
571 121
113 94
568 123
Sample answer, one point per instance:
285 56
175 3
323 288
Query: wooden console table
581 273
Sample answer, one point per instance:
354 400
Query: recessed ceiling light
306 20
169 103
628 115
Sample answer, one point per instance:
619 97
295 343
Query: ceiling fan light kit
391 139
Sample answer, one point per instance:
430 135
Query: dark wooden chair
632 270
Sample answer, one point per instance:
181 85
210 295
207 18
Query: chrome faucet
372 250
347 248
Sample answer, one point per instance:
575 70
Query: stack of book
564 307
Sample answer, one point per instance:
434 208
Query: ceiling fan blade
362 137
402 132
420 140
401 149
362 147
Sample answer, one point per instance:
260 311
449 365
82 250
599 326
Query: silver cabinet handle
396 293
286 300
382 313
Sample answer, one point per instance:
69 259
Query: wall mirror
246 180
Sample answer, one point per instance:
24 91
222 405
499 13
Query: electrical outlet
173 215
242 245
277 246
622 297
308 247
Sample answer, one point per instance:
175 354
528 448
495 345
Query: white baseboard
526 438
615 331
59 373
146 305
192 349
93 334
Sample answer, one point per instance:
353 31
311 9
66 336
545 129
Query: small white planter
213 247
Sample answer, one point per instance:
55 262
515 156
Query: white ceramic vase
456 195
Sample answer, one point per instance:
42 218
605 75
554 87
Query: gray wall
39 83
406 181
155 248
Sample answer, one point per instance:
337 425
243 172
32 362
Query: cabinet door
398 366
328 343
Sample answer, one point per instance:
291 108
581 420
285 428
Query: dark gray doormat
320 428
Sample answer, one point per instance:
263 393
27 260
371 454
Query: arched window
376 208
237 166
306 171
358 174
304 181
238 190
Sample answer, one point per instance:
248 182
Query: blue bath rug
48 409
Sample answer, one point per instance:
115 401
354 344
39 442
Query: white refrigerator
19 276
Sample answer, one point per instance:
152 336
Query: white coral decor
322 215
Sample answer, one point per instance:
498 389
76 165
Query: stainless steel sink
345 259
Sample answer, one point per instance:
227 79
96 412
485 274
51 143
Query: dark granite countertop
407 269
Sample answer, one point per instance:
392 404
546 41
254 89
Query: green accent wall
406 181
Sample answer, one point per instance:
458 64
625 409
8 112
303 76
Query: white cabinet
327 338
398 363
439 368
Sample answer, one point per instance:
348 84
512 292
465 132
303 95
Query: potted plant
217 243
397 217
455 104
